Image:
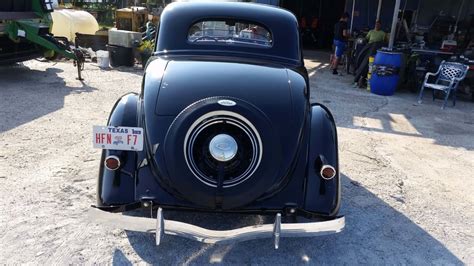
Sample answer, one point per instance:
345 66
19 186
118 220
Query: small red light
112 162
327 172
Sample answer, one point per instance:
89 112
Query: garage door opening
316 19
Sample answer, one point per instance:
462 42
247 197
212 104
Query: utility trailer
25 33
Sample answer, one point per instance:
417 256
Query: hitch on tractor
29 21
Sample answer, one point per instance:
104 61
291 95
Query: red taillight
327 172
112 162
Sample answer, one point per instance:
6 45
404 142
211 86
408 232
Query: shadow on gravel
137 70
27 94
375 233
399 114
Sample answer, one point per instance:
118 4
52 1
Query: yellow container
369 74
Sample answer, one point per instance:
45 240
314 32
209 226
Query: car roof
178 17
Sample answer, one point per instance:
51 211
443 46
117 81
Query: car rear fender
322 196
116 189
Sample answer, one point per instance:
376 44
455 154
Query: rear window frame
237 20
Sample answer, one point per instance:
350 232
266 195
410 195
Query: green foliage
146 47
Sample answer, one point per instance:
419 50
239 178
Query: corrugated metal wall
429 9
366 10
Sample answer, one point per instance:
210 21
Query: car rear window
230 32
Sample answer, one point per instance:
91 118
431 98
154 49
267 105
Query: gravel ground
407 175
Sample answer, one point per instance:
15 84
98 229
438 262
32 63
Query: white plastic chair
449 75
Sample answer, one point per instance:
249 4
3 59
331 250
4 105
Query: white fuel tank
67 22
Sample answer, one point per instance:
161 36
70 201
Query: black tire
182 164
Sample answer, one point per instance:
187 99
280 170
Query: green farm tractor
25 33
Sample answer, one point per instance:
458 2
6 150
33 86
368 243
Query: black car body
244 98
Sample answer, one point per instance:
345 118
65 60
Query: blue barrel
385 72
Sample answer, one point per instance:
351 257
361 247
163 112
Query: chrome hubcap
223 147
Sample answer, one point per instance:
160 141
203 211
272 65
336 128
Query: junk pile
134 33
131 40
41 28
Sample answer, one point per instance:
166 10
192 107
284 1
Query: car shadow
375 233
27 94
120 259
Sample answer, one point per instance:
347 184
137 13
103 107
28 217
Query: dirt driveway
408 182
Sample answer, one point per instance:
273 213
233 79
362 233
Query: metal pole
402 18
352 15
459 16
379 8
415 23
394 24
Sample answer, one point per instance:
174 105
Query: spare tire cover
194 171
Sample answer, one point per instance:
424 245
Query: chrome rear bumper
161 226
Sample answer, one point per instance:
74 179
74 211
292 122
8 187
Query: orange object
314 23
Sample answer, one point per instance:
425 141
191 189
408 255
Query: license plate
118 138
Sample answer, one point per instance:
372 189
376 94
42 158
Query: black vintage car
223 124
